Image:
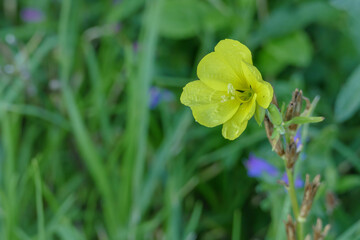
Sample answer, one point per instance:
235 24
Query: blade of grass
348 153
83 140
138 110
9 179
9 196
353 233
194 220
35 111
41 52
236 231
170 144
98 93
39 202
173 203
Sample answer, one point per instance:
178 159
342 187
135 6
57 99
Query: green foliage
303 120
188 18
82 156
294 50
347 102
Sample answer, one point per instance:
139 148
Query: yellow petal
230 132
237 124
215 72
209 107
234 52
262 88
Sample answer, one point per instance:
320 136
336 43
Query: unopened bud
275 115
275 143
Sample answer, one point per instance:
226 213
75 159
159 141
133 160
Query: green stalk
294 202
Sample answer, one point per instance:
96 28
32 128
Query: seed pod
294 107
290 111
319 233
309 195
298 102
291 154
290 228
331 202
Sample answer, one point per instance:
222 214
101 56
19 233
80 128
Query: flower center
245 95
242 95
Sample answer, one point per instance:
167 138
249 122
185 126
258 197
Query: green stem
294 202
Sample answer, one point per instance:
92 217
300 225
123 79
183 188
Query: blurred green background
94 143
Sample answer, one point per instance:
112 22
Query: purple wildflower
298 181
117 27
32 15
155 95
158 95
136 47
257 167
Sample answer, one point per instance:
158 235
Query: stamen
244 95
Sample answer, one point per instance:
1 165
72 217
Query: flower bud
275 142
275 115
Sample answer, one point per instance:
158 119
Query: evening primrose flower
229 90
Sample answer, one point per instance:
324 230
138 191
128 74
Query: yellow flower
229 91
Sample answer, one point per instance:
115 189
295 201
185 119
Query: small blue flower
31 15
298 182
258 166
158 95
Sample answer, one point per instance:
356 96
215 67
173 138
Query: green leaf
194 219
180 19
347 183
348 102
294 49
352 7
288 19
303 120
236 230
187 18
351 233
